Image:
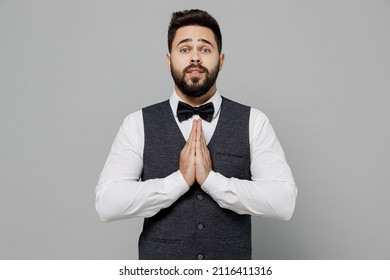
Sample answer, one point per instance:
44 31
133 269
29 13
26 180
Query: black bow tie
185 111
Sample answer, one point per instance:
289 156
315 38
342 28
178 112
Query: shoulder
133 121
136 118
255 114
156 107
236 111
260 126
229 102
258 115
259 121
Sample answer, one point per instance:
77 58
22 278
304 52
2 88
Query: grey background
70 71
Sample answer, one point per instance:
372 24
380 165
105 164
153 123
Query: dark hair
193 17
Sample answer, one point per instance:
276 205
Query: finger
203 141
205 150
193 137
188 147
198 136
193 131
198 129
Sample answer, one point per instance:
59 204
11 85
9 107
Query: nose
195 58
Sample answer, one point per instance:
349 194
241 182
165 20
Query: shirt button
200 226
200 257
200 197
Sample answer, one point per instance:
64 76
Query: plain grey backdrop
70 72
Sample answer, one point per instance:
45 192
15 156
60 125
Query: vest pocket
228 158
229 238
165 240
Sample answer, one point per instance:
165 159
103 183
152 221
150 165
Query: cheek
211 61
177 64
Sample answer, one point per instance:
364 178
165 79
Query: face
194 61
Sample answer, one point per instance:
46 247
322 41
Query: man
206 163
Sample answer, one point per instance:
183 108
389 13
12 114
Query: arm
119 193
272 191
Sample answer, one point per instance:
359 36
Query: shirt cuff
215 185
175 184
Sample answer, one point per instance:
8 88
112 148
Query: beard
195 87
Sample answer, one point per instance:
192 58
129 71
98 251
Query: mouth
195 72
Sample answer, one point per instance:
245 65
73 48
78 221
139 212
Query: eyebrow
199 40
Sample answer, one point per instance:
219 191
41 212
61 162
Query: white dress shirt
120 194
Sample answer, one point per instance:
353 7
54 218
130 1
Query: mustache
204 69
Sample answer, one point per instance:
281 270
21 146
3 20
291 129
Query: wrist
202 179
183 180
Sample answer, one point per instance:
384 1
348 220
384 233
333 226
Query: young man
206 163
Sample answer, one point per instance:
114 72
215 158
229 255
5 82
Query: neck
196 101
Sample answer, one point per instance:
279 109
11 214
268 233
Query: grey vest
195 226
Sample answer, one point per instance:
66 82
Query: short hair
193 17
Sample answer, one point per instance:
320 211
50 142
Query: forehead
194 32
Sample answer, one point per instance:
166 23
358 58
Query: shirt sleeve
119 193
272 191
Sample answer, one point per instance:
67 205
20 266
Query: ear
168 58
221 61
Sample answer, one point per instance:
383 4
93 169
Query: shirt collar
216 99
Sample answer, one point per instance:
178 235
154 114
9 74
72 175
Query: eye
205 50
184 50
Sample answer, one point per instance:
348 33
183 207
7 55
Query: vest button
200 257
200 197
200 226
